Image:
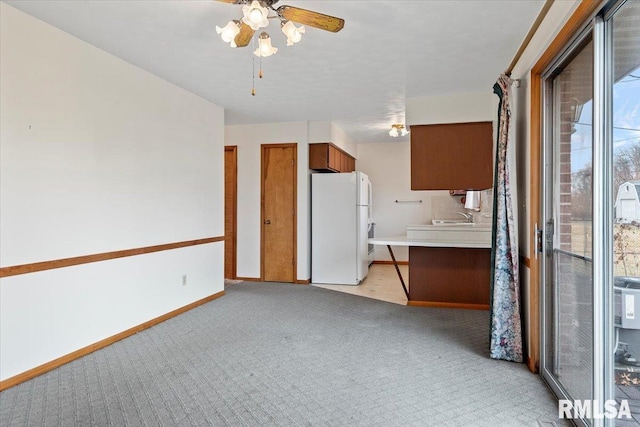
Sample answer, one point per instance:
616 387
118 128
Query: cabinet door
452 156
344 162
318 156
334 158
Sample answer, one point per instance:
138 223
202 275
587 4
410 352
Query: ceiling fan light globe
264 46
264 53
393 132
404 132
255 15
229 32
293 33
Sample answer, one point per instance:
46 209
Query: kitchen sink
455 222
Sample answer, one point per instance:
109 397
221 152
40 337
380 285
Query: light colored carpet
291 355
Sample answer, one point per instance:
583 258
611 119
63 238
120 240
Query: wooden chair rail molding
84 259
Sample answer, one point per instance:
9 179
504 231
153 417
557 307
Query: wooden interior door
230 207
279 185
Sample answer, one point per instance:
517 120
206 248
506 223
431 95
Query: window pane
570 287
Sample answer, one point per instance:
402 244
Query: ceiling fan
238 33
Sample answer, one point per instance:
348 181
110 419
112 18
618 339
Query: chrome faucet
469 217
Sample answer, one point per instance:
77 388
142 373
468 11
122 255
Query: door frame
603 379
583 14
551 223
234 262
263 149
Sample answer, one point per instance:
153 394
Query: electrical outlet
184 280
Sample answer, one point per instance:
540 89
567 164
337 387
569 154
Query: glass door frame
603 343
547 205
600 29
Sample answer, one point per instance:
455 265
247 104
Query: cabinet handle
267 221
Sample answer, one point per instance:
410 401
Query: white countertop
472 227
405 241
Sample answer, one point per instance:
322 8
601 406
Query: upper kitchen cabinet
452 156
327 157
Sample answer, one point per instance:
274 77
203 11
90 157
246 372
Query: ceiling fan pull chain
253 71
260 72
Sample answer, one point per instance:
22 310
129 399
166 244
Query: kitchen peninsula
449 265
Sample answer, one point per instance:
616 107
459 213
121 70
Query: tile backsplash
447 207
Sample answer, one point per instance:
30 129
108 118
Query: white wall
249 138
326 131
340 138
454 108
96 156
319 131
388 167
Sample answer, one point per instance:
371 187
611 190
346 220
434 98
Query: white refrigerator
340 224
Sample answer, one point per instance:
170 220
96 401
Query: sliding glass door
568 265
591 211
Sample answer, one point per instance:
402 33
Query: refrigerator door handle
370 210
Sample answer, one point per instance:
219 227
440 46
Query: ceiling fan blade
244 36
310 18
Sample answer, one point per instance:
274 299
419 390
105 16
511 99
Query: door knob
267 221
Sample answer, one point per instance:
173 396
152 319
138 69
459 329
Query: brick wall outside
573 279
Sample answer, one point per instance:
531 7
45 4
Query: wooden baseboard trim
448 305
391 262
39 370
249 279
85 259
257 279
532 365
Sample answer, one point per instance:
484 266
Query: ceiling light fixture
229 32
398 130
264 46
256 15
293 33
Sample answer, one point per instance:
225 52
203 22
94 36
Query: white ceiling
358 78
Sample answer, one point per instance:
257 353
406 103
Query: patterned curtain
506 335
